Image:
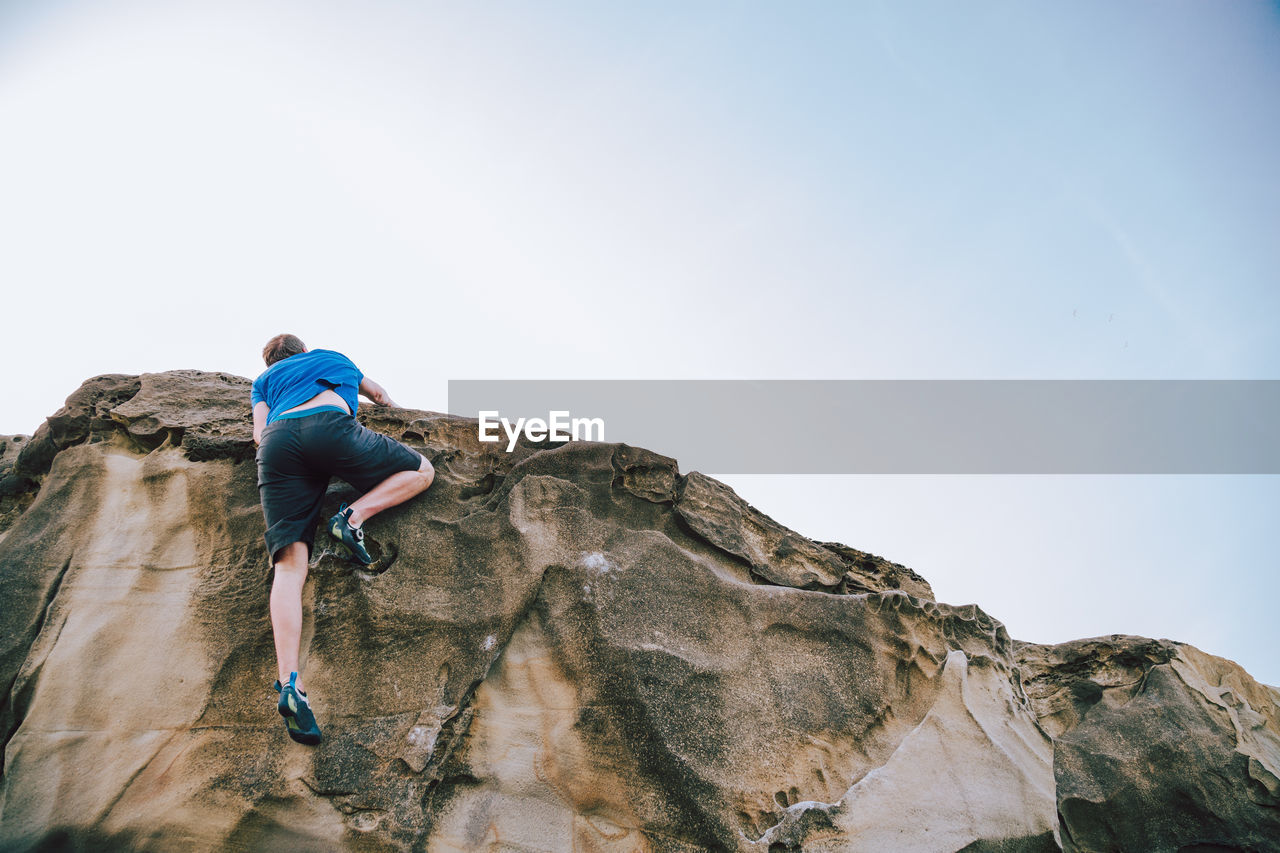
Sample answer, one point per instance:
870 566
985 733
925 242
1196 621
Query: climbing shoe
352 538
298 718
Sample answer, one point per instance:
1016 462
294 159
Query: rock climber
304 424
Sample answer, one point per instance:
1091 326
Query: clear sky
675 190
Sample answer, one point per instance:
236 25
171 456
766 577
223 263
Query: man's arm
260 414
376 393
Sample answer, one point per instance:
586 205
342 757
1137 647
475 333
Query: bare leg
392 491
286 608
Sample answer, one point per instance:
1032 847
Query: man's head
281 347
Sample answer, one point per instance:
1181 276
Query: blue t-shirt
296 379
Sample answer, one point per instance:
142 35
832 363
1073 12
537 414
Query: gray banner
911 426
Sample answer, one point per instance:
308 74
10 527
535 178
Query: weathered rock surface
1157 745
570 647
16 491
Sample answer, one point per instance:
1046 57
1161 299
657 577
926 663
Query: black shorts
297 457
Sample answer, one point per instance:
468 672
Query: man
304 407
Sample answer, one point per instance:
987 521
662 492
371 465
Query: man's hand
376 393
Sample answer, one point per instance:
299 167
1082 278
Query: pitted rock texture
570 647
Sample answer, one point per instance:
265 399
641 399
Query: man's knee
292 559
427 471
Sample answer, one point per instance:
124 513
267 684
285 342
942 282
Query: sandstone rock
777 555
563 647
87 412
16 491
1157 746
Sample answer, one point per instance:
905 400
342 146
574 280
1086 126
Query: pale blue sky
716 190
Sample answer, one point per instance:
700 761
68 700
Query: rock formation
569 647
